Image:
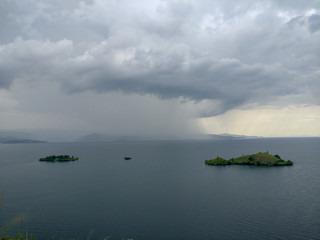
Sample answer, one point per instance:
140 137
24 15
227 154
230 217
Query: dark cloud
233 54
6 78
299 20
314 22
163 74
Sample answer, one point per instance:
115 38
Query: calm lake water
165 192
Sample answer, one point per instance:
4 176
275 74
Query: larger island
59 158
257 159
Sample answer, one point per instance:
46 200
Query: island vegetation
257 159
59 158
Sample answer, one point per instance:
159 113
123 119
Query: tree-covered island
257 159
59 158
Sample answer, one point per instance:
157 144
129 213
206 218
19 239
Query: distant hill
9 139
226 136
17 137
38 135
102 137
99 137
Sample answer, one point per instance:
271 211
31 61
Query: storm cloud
225 52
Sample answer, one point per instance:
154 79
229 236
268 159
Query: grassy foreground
20 236
257 159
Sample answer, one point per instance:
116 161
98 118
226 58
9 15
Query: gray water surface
164 192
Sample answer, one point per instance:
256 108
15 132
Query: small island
127 158
59 158
257 159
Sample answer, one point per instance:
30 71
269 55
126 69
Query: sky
167 69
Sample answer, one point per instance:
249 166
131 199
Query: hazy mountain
102 137
226 136
33 136
11 136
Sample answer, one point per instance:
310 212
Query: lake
165 192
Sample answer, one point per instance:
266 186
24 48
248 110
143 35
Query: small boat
127 158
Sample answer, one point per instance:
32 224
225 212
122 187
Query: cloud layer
227 53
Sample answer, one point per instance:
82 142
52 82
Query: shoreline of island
257 159
59 158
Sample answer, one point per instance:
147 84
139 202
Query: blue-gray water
164 192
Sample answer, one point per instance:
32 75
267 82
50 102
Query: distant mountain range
99 137
17 137
230 136
10 139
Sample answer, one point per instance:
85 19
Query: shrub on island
59 158
257 159
217 161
